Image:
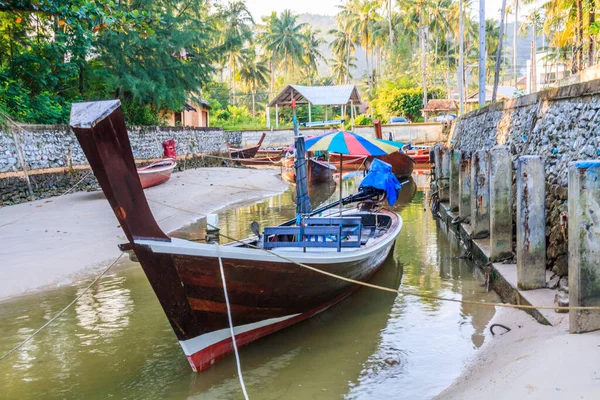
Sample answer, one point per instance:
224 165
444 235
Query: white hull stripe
201 342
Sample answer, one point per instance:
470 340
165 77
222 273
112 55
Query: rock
563 284
553 282
561 266
561 299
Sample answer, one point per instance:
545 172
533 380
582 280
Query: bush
363 120
390 100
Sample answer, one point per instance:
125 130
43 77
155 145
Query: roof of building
435 105
317 95
504 92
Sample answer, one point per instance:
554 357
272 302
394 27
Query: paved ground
56 241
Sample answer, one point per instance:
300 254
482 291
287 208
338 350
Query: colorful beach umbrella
349 143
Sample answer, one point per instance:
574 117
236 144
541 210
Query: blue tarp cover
380 176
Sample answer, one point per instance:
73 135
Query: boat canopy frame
328 96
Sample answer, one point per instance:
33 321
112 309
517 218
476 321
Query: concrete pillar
464 185
455 157
480 194
444 181
437 160
501 199
531 223
584 244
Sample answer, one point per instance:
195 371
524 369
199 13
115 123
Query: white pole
309 113
268 115
276 116
461 61
481 53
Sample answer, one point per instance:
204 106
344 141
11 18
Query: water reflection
116 341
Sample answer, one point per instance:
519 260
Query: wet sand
531 361
53 242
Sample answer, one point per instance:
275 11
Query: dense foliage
157 54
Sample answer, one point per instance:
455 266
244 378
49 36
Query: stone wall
416 133
561 125
55 146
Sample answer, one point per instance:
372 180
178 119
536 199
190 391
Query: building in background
548 71
196 114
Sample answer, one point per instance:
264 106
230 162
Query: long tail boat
266 292
317 171
248 152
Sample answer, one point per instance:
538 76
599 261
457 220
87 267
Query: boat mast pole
302 200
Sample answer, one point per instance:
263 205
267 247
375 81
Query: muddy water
116 343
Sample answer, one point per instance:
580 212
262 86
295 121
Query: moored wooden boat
419 155
402 165
266 292
316 171
248 152
250 162
351 163
156 173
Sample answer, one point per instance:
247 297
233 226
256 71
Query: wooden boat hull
156 173
419 156
402 165
266 293
248 152
250 162
349 163
316 171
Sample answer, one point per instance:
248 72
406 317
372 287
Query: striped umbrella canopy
345 142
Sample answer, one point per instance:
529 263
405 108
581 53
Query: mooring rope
234 342
61 312
396 291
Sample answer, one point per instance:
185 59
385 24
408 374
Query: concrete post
480 194
445 192
584 245
464 183
455 156
531 223
437 160
501 199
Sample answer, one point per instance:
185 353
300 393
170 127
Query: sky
260 8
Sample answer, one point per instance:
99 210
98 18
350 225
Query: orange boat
419 155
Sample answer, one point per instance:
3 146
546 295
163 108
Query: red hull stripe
206 357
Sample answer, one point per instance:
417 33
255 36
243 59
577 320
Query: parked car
445 118
398 120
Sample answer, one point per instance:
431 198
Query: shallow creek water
115 342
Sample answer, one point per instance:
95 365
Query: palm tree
235 24
254 74
312 54
339 69
284 39
362 15
342 47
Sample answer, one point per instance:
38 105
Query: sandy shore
57 241
532 361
